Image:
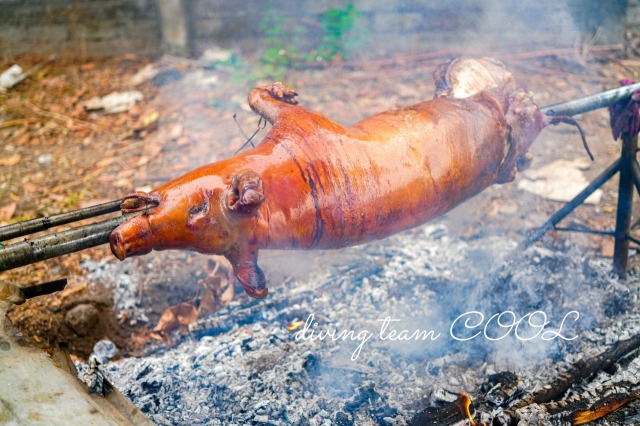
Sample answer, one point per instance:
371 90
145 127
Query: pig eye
198 215
193 210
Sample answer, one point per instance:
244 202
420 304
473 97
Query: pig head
203 212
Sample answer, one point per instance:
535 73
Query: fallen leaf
7 211
227 293
138 340
145 74
152 149
150 118
106 179
94 202
175 132
114 102
141 161
57 108
218 285
184 140
142 175
30 187
124 316
106 161
208 303
123 183
10 161
173 318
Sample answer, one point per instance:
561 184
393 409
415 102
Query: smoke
444 309
437 283
505 25
422 307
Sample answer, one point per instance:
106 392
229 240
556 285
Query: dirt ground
56 156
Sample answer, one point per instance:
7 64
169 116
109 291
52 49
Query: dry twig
64 119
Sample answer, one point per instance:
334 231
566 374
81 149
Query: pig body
314 184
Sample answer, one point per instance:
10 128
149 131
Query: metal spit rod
591 102
27 227
59 243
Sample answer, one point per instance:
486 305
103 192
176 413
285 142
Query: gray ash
250 369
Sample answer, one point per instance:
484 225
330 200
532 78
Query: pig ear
137 201
245 193
252 279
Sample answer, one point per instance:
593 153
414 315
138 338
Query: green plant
338 27
73 200
281 40
339 34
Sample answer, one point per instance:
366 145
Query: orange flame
464 404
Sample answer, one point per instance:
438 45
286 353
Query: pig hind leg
272 101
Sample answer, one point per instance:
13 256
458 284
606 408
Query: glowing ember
294 325
603 407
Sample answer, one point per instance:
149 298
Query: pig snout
132 238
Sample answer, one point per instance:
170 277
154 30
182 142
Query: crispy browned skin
314 184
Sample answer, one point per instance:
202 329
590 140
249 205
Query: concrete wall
79 28
110 27
423 25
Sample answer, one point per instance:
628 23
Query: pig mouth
132 238
122 250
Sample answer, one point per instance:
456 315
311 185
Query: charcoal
343 419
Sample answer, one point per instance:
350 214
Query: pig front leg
243 197
272 101
248 273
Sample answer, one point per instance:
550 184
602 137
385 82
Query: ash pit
243 366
